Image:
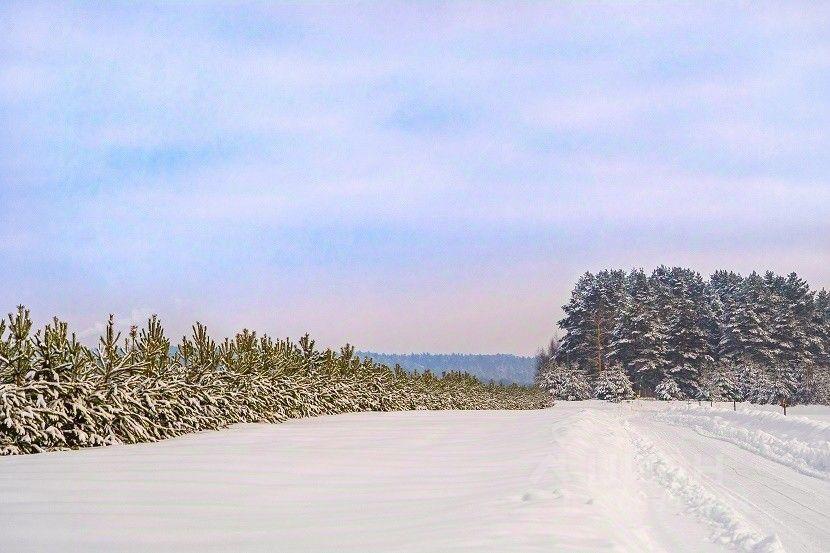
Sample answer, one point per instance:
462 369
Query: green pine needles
56 393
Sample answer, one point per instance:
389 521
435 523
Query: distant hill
500 367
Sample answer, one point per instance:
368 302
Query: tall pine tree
638 340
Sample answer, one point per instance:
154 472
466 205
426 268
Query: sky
419 176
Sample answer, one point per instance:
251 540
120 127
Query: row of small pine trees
56 393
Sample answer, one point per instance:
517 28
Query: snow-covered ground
582 476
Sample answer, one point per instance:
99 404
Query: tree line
56 393
503 368
673 334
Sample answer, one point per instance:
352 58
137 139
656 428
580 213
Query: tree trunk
600 356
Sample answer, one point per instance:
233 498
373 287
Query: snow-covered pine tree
668 389
564 382
820 387
724 291
787 384
724 383
799 302
17 349
589 320
787 343
544 356
705 385
755 384
745 333
687 314
613 384
819 345
577 346
638 340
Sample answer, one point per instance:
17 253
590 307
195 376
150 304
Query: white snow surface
580 476
797 441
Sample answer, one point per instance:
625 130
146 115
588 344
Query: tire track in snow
767 494
728 526
796 442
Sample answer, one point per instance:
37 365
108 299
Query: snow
796 441
815 412
768 495
581 476
728 526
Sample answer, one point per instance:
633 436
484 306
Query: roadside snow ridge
797 442
729 528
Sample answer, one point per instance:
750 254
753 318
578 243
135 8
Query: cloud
138 317
236 157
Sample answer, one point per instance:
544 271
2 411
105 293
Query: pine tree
746 333
787 309
820 387
638 341
756 385
544 357
564 382
668 389
787 384
589 320
724 291
724 384
577 346
613 384
818 342
686 313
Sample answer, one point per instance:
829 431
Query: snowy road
582 476
764 494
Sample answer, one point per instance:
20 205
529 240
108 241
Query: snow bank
814 412
561 479
581 476
729 527
798 442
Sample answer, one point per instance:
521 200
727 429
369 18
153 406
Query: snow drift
798 442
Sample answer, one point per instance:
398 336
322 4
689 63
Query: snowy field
582 476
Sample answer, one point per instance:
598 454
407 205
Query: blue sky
407 177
